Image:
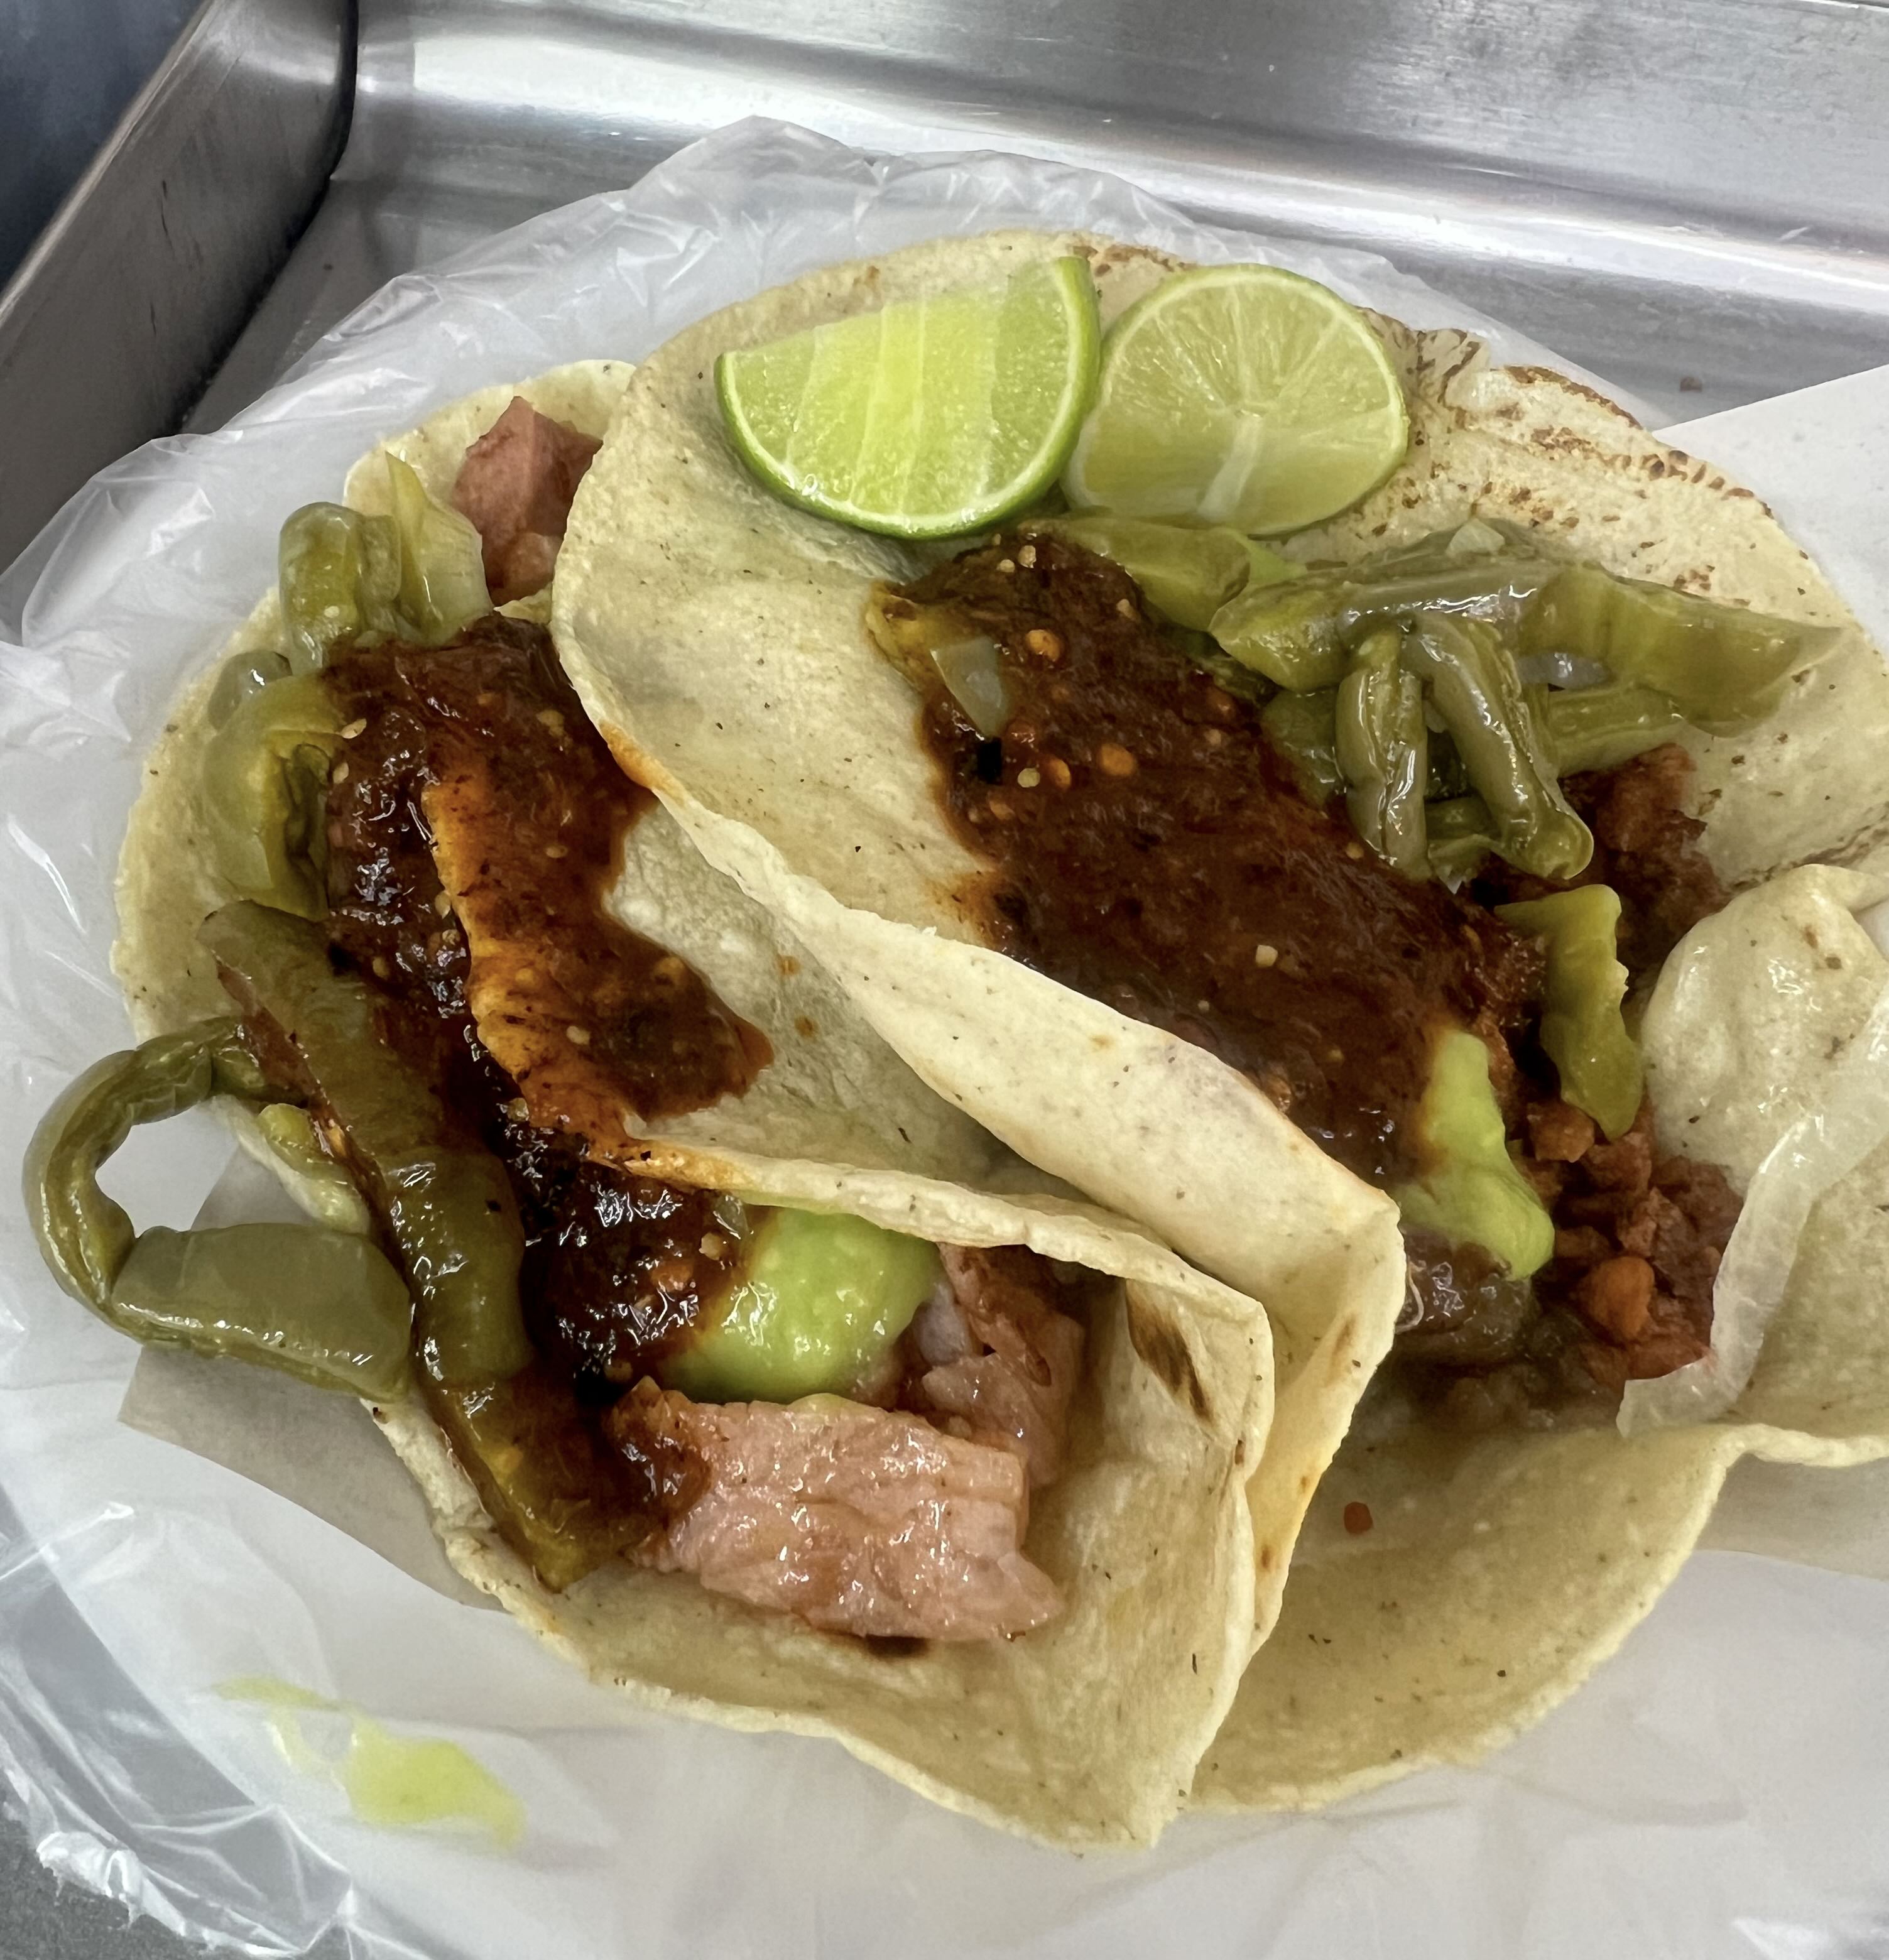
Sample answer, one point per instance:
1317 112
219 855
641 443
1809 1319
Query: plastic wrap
1716 1789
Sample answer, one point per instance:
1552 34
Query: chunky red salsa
616 1267
1147 845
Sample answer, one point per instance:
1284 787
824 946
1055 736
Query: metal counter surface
41 1920
132 294
70 70
1681 199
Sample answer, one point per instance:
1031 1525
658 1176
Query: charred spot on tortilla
1163 1349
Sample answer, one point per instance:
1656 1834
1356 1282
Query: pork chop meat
860 1520
1002 1361
516 484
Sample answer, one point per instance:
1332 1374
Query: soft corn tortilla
715 634
1497 1575
1086 1731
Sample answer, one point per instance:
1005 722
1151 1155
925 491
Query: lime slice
1240 395
930 417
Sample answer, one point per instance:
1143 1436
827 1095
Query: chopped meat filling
1558 1133
1648 850
516 485
1626 1297
1645 847
860 1520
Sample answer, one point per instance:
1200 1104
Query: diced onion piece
973 670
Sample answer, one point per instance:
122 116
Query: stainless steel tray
1687 198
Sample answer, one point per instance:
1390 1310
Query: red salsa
1147 845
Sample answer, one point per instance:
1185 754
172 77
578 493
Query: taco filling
444 1028
479 825
1343 845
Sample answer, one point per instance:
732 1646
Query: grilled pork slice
1002 1361
515 485
860 1520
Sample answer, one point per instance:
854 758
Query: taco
1443 834
747 1372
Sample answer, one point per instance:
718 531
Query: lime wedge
1239 395
930 417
